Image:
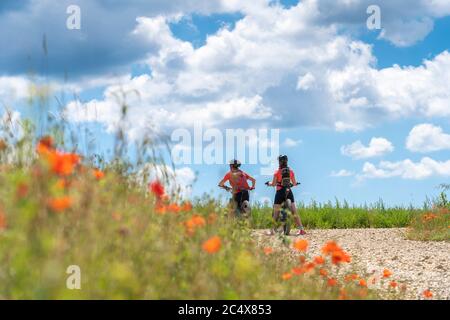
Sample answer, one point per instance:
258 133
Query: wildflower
339 257
351 277
286 276
198 220
267 250
157 189
22 190
301 245
160 209
173 207
62 164
427 293
98 174
187 206
386 273
212 245
298 270
393 284
330 247
3 223
363 283
319 260
45 145
309 266
60 204
323 272
332 282
302 259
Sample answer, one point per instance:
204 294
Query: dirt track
418 264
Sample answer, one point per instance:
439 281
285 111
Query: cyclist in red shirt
238 182
280 195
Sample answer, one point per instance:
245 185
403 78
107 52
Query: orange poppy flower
98 174
351 277
212 245
160 209
332 282
427 293
323 272
173 207
157 188
393 284
62 164
319 260
60 204
267 250
386 273
44 145
302 259
286 276
301 245
187 206
340 256
363 283
198 220
298 270
3 223
330 247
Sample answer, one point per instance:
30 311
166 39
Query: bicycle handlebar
279 184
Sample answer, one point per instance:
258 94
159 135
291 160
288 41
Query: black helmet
283 160
235 163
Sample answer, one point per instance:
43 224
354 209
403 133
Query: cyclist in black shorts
284 172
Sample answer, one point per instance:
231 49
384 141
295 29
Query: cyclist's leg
297 220
245 201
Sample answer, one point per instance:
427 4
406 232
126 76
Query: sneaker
300 232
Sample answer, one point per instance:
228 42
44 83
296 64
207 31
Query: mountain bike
241 209
284 221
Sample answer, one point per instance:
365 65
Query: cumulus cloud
376 148
427 138
290 143
406 169
342 173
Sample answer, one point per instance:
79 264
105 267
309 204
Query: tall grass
335 215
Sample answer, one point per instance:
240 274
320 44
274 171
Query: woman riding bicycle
238 182
279 180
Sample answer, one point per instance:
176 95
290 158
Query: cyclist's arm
274 181
252 180
294 181
222 182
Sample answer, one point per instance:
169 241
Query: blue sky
311 69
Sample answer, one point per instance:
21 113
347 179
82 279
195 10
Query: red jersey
278 177
238 180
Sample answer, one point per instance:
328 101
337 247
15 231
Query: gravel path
418 264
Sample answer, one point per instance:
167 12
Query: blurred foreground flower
157 189
212 245
60 204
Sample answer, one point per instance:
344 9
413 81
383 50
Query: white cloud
342 173
406 169
376 148
290 143
427 138
251 75
305 82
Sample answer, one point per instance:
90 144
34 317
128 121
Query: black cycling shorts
241 196
280 196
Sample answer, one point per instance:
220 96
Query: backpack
286 177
